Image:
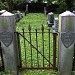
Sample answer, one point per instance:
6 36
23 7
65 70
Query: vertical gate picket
29 28
43 42
24 46
37 47
49 45
54 50
19 49
2 66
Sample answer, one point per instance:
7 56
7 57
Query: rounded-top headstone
50 13
73 12
51 17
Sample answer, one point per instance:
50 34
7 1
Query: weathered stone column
26 8
45 11
66 42
8 42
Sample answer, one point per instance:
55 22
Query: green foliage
65 5
2 6
62 7
18 1
70 4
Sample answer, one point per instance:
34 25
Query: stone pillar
66 42
45 11
8 42
26 8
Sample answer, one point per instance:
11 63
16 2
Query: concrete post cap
67 13
2 11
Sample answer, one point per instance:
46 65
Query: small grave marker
55 26
26 8
45 11
50 19
74 12
18 16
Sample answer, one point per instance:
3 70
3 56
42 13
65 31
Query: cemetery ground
35 20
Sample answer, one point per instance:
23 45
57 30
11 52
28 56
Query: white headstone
8 42
66 42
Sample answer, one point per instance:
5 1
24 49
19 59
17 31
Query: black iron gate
37 49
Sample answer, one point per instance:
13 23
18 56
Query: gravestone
66 42
18 16
8 42
50 19
73 12
55 26
26 8
45 11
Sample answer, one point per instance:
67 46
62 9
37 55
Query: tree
9 4
65 5
70 4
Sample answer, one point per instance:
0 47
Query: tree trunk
10 4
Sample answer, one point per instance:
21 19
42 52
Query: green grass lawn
36 20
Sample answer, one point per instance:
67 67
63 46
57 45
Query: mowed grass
35 20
